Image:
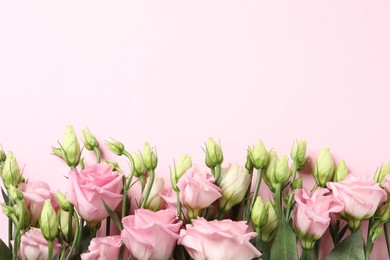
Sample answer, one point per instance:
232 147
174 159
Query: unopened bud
116 147
48 221
259 214
298 154
259 155
139 168
214 155
341 172
324 168
14 193
11 173
89 140
149 157
271 227
70 147
381 173
282 171
62 201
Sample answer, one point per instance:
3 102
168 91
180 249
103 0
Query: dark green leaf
5 252
285 244
5 197
113 216
85 239
350 248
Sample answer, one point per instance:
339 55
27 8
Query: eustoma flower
197 190
223 239
104 248
151 235
311 216
34 246
361 198
88 188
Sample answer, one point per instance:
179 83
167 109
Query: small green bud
154 201
214 155
298 154
11 173
282 171
115 165
14 193
324 168
376 232
8 210
21 208
259 155
248 163
297 184
62 201
381 173
48 221
116 147
64 224
149 157
270 170
3 156
383 213
259 214
70 147
89 140
182 166
139 168
271 227
341 171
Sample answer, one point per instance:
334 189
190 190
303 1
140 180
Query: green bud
259 214
259 155
11 173
64 224
182 166
271 227
62 201
149 157
154 201
14 193
341 172
376 232
214 155
48 221
70 147
324 168
8 210
248 163
116 147
57 151
21 208
383 213
3 156
353 224
297 184
89 140
139 168
114 165
282 171
298 154
270 171
381 173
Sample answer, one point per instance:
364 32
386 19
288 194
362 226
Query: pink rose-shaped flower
197 189
33 246
224 239
87 189
151 235
311 216
361 197
35 194
104 248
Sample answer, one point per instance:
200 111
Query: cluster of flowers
206 213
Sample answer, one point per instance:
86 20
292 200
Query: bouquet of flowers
207 212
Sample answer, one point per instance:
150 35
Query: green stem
291 197
256 191
221 214
178 205
278 201
10 234
18 229
247 209
50 254
142 180
218 174
306 254
149 188
369 244
98 154
76 236
387 239
71 210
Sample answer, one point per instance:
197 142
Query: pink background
175 73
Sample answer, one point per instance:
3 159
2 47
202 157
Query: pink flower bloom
33 246
104 248
361 197
311 216
170 198
197 189
87 189
35 194
151 235
223 239
386 185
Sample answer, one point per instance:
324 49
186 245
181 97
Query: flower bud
14 193
8 210
182 166
259 155
70 147
297 183
381 173
57 151
154 201
268 233
248 163
149 157
115 165
383 213
62 201
48 221
341 171
376 232
11 173
234 184
139 168
259 214
270 170
21 208
324 168
3 157
89 140
64 224
282 171
116 147
298 154
214 155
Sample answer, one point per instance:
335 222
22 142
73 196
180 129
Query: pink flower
361 197
104 248
311 216
87 189
170 198
151 235
223 239
197 189
35 194
386 185
33 246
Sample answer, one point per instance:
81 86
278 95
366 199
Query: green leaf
350 248
285 243
5 252
113 216
5 197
